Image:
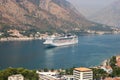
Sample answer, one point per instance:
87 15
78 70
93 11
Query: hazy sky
88 7
92 2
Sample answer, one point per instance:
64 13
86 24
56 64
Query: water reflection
50 53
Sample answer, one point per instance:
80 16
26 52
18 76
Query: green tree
99 73
113 61
116 72
69 71
28 74
45 70
52 69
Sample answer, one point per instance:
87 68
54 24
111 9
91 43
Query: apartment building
83 73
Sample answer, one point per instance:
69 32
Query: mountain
109 15
41 15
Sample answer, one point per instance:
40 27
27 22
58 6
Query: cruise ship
61 40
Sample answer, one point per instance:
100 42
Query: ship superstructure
61 40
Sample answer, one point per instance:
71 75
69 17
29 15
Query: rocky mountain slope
42 15
109 15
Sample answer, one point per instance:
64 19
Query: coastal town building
15 33
1 33
110 78
16 77
118 61
83 73
68 77
48 75
106 66
108 69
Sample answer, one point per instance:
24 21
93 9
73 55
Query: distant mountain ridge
109 15
42 15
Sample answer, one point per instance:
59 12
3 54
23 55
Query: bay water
90 51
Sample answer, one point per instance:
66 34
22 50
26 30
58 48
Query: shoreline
19 39
30 38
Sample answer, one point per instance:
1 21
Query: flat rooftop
82 69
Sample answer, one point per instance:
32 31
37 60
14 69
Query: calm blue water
90 51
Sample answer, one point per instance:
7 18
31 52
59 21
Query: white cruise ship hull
62 41
62 44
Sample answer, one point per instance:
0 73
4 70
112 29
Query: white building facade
68 77
83 74
48 75
16 77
